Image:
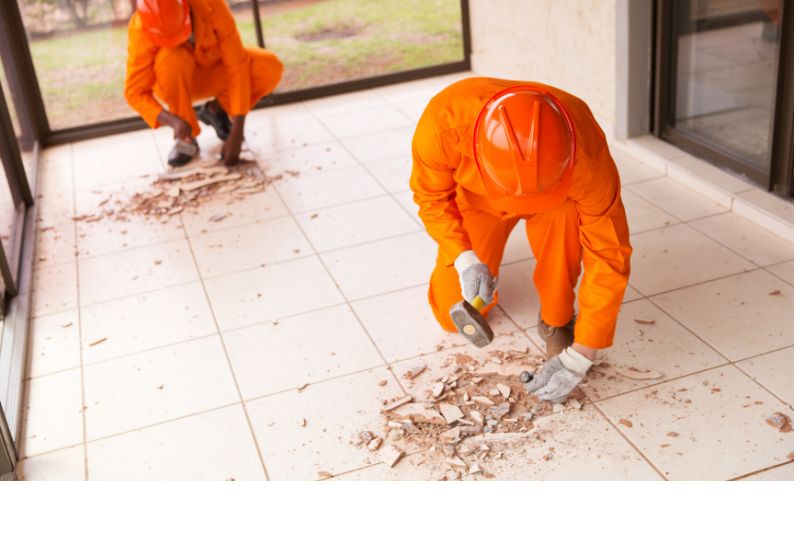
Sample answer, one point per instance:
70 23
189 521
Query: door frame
779 178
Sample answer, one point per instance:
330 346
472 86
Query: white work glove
559 376
475 278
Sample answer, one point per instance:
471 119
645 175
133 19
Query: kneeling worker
180 51
489 152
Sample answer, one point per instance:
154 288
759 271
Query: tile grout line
227 358
207 410
759 471
632 445
364 166
80 322
344 297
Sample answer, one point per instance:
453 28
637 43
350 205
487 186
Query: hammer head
471 324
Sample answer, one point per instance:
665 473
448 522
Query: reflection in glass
727 62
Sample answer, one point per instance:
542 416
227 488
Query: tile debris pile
465 420
171 192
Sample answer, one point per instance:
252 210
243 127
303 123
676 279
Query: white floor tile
383 266
736 315
157 385
216 445
784 271
676 199
782 473
406 200
313 158
748 239
720 429
774 371
283 115
380 146
107 236
249 246
55 244
393 174
310 191
253 208
632 170
279 355
55 289
268 137
332 411
642 215
54 343
402 324
345 103
665 348
66 464
669 258
365 121
270 292
355 223
53 413
134 271
146 321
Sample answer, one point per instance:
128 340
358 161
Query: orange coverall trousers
554 239
180 81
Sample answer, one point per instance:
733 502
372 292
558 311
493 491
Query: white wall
565 43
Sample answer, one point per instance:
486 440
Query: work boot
218 120
556 338
182 153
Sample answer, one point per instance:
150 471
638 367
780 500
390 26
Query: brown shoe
556 338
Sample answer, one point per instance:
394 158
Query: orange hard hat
524 143
167 22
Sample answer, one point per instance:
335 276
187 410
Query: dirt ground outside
81 72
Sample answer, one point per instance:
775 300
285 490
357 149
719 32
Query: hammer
470 323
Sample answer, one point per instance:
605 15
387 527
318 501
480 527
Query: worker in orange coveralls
180 51
489 152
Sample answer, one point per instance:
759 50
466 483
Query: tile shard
450 412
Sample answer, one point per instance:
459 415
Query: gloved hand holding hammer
476 279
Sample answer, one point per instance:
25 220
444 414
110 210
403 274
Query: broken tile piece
483 400
450 412
438 389
391 455
780 421
625 422
398 402
411 374
501 410
418 412
505 391
375 444
635 374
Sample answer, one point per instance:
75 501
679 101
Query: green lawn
82 75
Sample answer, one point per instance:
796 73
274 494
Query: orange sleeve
606 246
435 191
235 59
140 76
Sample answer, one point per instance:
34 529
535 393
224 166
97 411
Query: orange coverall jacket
216 39
444 170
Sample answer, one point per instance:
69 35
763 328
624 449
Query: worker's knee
173 67
267 70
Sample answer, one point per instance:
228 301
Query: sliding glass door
723 67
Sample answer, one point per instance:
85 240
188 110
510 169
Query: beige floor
322 280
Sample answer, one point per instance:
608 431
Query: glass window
330 41
727 68
79 49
